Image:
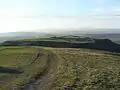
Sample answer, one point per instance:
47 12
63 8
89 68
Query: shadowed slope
99 44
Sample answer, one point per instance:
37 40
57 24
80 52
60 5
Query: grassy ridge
49 40
68 42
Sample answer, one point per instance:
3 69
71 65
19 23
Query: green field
62 39
46 68
17 65
116 40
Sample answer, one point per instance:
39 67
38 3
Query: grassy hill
81 69
46 68
68 42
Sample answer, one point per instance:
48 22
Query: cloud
97 17
100 11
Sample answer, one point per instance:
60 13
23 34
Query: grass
115 39
81 69
44 39
64 39
77 69
20 58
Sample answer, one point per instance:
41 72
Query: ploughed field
45 68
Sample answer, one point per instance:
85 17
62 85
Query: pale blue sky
25 15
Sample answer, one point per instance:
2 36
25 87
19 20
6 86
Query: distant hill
84 31
112 34
67 42
22 35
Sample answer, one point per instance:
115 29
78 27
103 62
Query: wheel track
45 80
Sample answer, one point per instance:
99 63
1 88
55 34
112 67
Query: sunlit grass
87 70
20 58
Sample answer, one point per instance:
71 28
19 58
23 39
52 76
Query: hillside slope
99 44
45 68
81 69
21 65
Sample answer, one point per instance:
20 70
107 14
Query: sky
52 15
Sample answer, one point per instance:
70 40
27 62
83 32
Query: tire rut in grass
39 54
44 80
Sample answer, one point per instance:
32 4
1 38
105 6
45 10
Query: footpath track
45 80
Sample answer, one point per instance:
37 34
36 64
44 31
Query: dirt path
46 79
